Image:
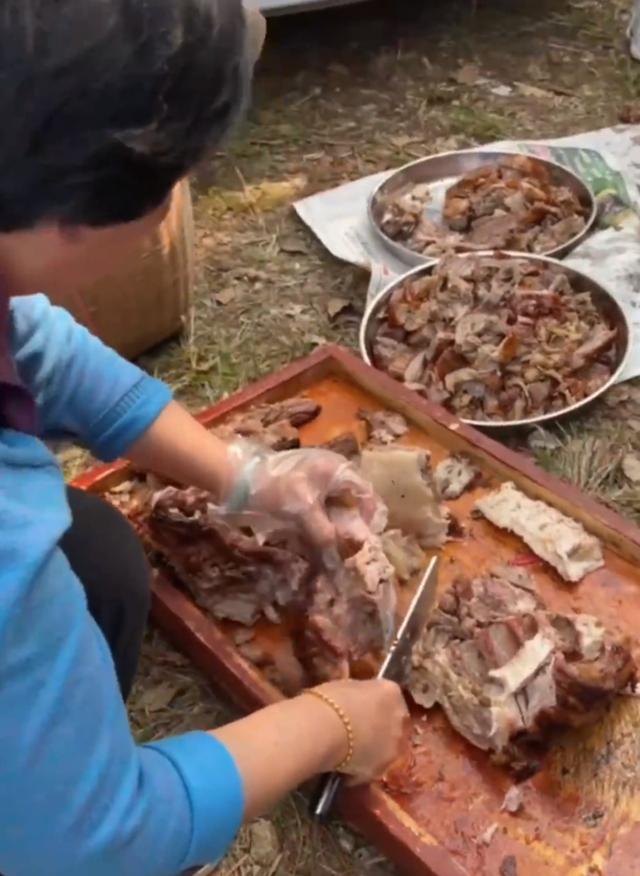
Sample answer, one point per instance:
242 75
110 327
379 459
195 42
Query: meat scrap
404 553
513 800
403 479
275 425
243 567
495 338
512 204
383 427
509 866
556 539
486 838
346 444
507 671
455 475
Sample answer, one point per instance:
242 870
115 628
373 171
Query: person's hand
380 722
296 485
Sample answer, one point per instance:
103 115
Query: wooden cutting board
581 813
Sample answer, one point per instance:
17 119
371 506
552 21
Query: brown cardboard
144 301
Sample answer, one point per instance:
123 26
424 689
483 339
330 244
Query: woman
106 105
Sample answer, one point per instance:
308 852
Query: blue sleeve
77 795
82 388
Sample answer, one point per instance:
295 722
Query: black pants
107 556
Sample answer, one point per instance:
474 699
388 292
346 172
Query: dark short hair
106 104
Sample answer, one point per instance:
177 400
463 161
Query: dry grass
341 94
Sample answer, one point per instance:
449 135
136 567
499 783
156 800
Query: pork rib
555 538
507 671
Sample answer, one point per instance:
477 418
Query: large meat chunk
349 618
506 671
559 540
403 479
243 567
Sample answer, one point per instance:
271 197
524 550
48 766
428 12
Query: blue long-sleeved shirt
77 795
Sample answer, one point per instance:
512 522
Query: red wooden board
582 811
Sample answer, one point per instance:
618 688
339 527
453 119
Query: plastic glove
295 485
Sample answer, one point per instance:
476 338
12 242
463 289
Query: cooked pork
244 566
507 671
274 425
346 444
513 204
384 427
455 475
559 540
228 570
402 477
495 338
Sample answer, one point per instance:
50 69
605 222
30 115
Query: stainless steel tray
603 300
440 172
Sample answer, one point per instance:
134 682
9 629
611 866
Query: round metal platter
440 172
606 304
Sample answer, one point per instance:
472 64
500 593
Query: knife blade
395 667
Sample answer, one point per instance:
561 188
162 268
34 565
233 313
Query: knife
395 667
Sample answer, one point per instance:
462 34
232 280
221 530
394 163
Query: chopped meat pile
274 425
404 553
513 204
454 475
238 568
495 338
559 540
247 567
507 671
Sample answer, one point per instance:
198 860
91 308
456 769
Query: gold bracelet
344 718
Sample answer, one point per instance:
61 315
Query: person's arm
82 388
77 795
298 733
292 485
87 390
177 446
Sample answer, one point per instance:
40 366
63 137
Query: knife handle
325 795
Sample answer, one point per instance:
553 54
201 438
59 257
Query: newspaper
608 160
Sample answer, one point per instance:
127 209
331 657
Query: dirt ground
340 94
